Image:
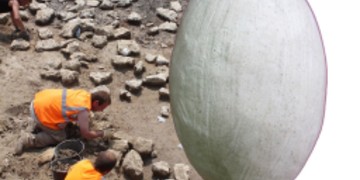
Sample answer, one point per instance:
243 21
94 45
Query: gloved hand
21 34
24 35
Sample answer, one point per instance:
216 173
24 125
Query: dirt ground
20 80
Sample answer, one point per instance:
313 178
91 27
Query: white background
337 153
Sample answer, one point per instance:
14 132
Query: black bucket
60 174
73 144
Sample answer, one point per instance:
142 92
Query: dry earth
20 80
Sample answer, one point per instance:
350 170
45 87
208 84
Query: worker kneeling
53 109
85 169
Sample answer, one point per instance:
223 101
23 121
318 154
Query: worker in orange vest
53 109
86 170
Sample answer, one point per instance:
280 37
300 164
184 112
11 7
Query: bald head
105 161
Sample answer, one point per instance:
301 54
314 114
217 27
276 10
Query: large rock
44 16
143 146
161 169
120 61
99 41
47 45
50 74
176 6
122 33
73 64
181 172
134 18
168 26
161 60
69 77
71 48
133 85
19 45
128 48
120 145
4 18
156 79
106 5
167 14
100 77
45 33
35 6
133 165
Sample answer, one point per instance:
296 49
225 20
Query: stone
105 31
47 45
92 3
120 61
45 33
69 29
139 68
123 3
66 16
120 145
44 16
143 146
133 85
150 58
128 48
133 165
164 92
19 45
156 79
99 41
100 77
106 5
161 60
54 63
50 74
87 13
161 169
181 172
165 111
168 26
71 48
166 14
69 77
122 33
73 64
125 94
176 6
153 30
35 6
134 18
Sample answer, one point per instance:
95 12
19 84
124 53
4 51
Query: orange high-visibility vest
56 107
83 170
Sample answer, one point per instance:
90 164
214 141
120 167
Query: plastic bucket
73 144
58 173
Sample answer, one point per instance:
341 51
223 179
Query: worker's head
100 100
105 161
24 3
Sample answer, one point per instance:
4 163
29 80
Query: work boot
24 142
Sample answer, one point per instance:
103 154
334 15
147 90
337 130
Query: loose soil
20 80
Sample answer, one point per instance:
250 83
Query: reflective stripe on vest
65 108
